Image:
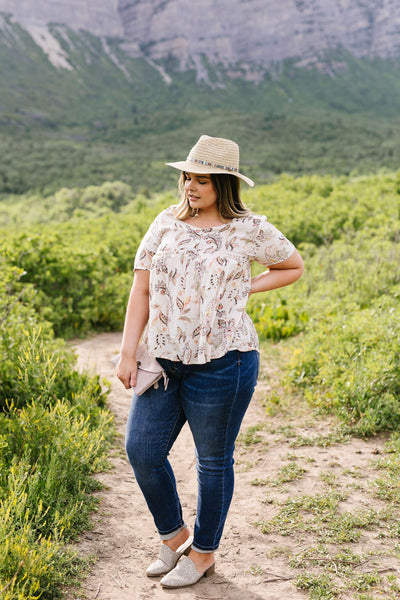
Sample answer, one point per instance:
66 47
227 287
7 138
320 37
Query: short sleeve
270 246
148 246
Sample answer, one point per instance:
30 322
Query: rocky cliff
261 31
245 36
100 17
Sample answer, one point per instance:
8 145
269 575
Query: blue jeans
213 398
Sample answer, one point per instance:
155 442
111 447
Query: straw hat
213 155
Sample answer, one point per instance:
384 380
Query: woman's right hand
127 372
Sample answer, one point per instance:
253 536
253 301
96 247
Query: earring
195 213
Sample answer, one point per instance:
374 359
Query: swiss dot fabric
200 282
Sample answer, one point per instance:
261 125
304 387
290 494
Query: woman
191 284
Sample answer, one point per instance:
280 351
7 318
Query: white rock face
254 33
50 45
100 17
261 31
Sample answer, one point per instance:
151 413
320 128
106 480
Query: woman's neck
206 218
203 223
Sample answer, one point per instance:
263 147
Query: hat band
208 164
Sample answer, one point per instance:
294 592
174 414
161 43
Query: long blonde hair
229 202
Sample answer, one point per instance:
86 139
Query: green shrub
318 210
54 435
47 461
79 274
32 565
275 320
59 450
351 365
36 366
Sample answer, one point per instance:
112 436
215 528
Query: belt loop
239 357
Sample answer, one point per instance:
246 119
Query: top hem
175 358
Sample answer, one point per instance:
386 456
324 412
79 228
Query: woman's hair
229 202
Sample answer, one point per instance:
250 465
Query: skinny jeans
213 398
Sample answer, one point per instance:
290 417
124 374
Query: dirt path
249 563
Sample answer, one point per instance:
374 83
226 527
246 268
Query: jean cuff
201 550
169 536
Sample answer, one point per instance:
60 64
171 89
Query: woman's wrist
128 353
258 283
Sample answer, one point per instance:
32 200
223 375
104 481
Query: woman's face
200 191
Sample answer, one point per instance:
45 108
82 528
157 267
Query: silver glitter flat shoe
167 559
185 574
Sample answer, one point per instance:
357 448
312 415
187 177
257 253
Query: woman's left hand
127 372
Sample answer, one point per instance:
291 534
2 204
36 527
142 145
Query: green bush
54 435
80 271
346 305
52 453
48 458
277 319
317 210
34 365
351 366
33 564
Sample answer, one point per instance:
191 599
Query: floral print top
200 282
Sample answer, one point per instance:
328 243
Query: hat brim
191 167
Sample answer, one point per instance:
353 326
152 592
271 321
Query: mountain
99 17
257 33
245 37
98 90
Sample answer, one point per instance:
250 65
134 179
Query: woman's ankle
202 560
179 539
